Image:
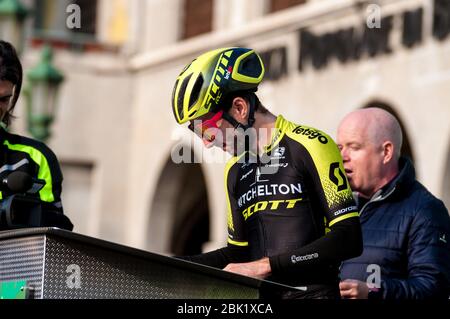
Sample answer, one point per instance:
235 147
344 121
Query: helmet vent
173 97
196 91
181 94
250 66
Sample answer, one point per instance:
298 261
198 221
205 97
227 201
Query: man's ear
388 151
239 109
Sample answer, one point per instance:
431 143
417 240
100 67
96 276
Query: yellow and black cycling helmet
204 83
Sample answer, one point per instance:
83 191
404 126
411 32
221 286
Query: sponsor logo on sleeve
296 259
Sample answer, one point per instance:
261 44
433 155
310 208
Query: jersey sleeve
50 168
49 171
236 225
56 177
322 162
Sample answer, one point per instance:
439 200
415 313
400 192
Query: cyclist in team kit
291 215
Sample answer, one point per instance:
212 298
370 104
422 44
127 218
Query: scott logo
311 133
337 177
274 204
214 94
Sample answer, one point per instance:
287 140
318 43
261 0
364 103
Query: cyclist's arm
330 195
342 242
221 257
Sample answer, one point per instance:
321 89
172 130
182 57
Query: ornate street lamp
12 17
44 81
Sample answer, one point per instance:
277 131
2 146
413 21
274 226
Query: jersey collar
277 133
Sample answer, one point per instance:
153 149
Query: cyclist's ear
239 109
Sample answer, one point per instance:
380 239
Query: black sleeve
331 197
344 241
221 257
56 177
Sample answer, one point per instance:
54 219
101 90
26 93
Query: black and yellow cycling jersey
18 153
292 204
303 192
289 199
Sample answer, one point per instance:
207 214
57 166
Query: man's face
362 158
208 128
6 93
218 132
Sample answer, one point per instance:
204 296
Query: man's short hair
228 102
11 71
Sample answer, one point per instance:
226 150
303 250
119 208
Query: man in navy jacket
406 230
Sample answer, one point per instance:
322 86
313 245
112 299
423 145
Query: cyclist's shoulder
309 137
309 144
234 162
15 142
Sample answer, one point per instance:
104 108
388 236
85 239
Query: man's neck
387 178
264 125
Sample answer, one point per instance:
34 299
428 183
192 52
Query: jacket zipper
378 199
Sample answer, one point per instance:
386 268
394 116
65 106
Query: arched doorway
406 146
179 220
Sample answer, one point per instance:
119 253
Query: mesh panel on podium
60 264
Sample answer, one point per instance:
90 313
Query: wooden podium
50 263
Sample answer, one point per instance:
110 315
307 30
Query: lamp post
44 81
12 17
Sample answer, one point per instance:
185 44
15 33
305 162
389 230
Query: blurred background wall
114 130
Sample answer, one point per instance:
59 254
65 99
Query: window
198 15
51 20
277 5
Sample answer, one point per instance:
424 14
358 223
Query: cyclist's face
6 93
207 127
237 141
216 131
230 138
363 159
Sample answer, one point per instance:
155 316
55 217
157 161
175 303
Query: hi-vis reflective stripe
238 243
13 167
45 193
334 221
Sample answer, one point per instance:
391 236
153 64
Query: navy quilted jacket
406 232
